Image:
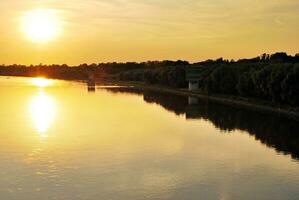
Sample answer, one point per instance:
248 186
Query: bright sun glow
42 109
41 82
41 25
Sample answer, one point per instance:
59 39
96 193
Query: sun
41 25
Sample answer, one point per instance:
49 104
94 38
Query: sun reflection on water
41 82
42 110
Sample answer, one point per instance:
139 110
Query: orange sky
140 30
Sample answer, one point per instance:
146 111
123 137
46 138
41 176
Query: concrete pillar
193 85
192 101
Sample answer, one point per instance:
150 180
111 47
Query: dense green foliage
275 82
274 78
170 76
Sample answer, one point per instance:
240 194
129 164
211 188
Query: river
64 140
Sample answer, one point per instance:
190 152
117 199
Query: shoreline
225 100
243 103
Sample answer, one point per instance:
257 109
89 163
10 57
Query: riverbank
243 103
252 104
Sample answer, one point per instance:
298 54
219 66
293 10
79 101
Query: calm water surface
59 141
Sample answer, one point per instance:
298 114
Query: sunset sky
92 31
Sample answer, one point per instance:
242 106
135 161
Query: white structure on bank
193 77
193 85
192 101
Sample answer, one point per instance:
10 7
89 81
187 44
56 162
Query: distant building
193 77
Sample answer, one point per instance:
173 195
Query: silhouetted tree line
273 131
173 76
50 71
102 70
274 78
270 77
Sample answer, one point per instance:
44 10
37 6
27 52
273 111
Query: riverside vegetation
272 78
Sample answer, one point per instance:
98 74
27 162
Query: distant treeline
102 70
49 71
274 78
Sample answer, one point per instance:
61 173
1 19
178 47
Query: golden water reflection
41 82
42 110
69 144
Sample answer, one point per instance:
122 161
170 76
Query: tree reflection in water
274 131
